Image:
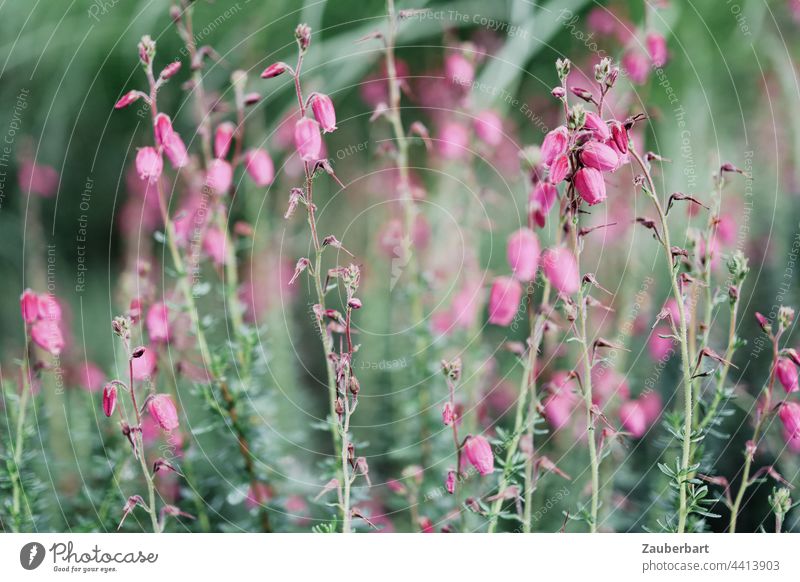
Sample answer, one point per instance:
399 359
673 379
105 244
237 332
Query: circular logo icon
31 555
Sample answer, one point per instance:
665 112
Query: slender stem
685 361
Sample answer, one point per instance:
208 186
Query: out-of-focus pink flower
324 112
29 306
599 156
144 367
660 347
214 245
453 141
307 139
48 307
560 404
554 145
109 399
633 418
162 128
561 269
260 167
607 383
157 322
89 376
559 169
489 127
479 453
727 229
162 409
504 300
590 185
219 176
448 414
786 372
176 150
652 405
149 164
459 70
450 482
257 495
601 21
657 49
47 335
38 179
541 200
636 66
223 137
597 126
523 253
674 312
789 413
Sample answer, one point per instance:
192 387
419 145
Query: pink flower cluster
42 315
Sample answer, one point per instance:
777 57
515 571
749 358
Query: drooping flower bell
599 156
590 185
157 322
561 269
325 114
29 306
786 372
554 145
219 176
163 411
479 454
259 167
223 137
504 300
47 335
307 139
522 253
149 164
109 399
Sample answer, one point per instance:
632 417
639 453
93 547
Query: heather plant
392 284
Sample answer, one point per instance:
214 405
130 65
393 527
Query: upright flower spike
786 372
504 300
479 454
259 167
223 137
149 164
163 411
561 269
307 139
109 399
522 253
590 185
325 114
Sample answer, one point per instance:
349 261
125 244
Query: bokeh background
729 93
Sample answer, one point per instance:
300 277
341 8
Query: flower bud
127 99
523 254
504 300
599 156
259 167
29 306
785 316
163 411
450 482
307 139
563 67
582 93
47 335
620 136
789 414
274 70
479 454
765 324
448 414
781 501
223 137
325 114
303 35
558 92
170 70
109 399
147 49
149 164
576 118
786 372
561 269
590 185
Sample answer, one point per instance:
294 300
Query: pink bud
450 482
274 70
559 169
149 164
636 66
47 335
163 411
786 372
561 269
590 185
523 254
307 139
127 99
223 138
322 107
170 70
619 136
448 414
219 176
597 126
541 200
458 69
633 418
109 399
554 145
259 166
657 48
765 324
489 127
479 454
504 300
789 413
162 128
29 306
158 323
599 156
